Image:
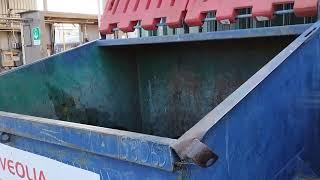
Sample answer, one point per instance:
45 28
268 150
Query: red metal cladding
306 8
124 14
197 10
173 10
226 9
116 12
302 8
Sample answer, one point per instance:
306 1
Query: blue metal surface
107 168
270 121
267 129
132 147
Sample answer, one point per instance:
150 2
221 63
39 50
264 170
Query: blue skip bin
176 107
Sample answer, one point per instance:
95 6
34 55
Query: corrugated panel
3 7
16 6
22 5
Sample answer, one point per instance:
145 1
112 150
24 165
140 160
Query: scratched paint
107 168
136 148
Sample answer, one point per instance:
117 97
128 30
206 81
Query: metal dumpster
240 104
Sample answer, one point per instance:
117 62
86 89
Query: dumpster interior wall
159 89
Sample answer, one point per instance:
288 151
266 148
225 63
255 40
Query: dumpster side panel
88 85
107 168
274 126
137 148
181 83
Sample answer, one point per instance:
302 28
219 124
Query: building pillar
34 48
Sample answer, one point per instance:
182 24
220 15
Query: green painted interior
161 89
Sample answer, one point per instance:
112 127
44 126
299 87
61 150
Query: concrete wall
92 32
16 6
33 52
4 44
47 33
7 40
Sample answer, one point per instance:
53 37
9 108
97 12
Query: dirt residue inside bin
67 108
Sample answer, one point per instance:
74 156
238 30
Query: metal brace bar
25 20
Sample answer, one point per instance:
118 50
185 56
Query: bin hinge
4 137
198 152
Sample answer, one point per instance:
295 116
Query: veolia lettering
21 170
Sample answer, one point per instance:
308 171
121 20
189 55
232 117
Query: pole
45 5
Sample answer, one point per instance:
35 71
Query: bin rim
152 151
